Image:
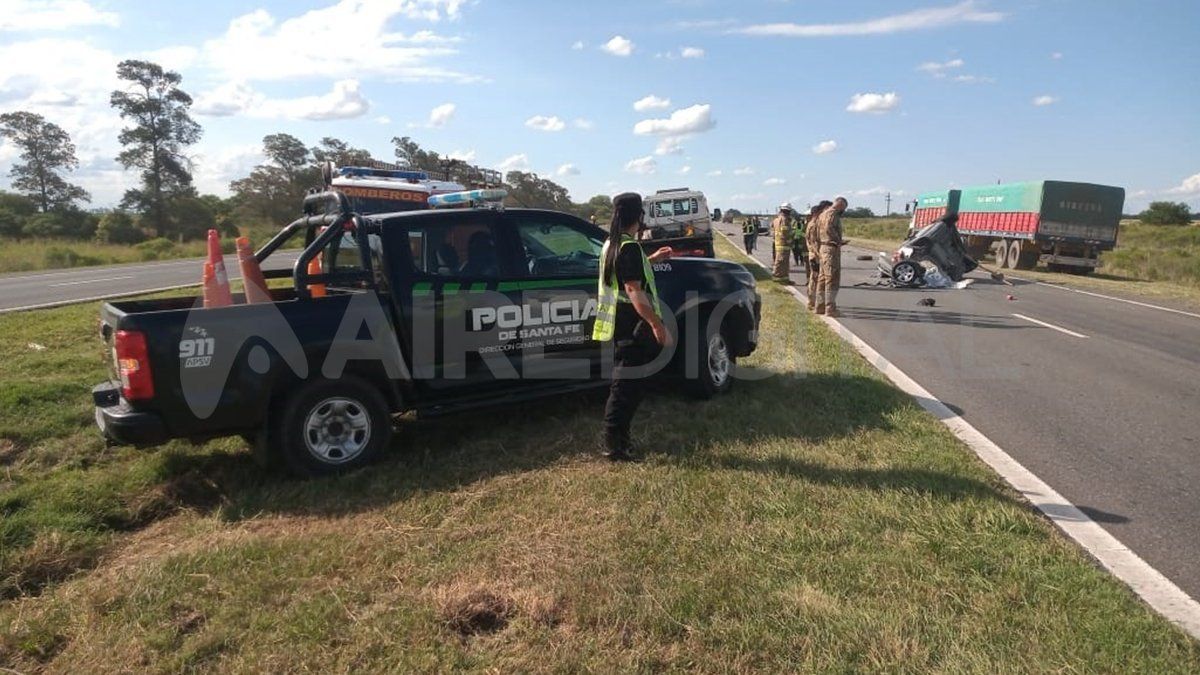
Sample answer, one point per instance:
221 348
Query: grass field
814 520
1150 260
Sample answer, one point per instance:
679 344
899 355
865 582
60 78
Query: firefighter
749 234
814 250
829 236
781 229
627 314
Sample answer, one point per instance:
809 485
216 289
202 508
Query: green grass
813 520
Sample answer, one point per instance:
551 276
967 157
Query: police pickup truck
432 311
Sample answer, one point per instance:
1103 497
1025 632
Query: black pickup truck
433 311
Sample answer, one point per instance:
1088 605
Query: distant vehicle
679 218
518 286
1064 225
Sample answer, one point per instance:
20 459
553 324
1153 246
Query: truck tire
1001 250
907 274
713 363
330 427
1022 256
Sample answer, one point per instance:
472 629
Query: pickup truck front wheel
714 363
333 426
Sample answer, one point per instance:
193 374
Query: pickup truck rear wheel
713 364
333 426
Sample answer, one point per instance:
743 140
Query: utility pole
887 201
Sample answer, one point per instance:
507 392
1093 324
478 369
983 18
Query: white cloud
1045 100
744 171
671 145
770 182
47 15
1057 56
938 69
583 124
691 53
974 79
544 123
463 155
714 173
967 11
441 115
651 102
825 147
344 101
741 197
172 58
685 170
618 46
1189 186
566 170
578 45
215 168
686 121
643 165
873 103
877 191
383 119
515 163
362 43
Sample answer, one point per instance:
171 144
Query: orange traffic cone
252 276
314 268
208 285
220 296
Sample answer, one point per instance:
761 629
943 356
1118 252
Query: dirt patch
8 452
474 610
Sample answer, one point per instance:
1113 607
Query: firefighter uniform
829 235
814 263
781 229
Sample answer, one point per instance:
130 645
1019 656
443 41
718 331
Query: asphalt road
31 289
1098 397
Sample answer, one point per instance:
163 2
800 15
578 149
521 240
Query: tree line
165 203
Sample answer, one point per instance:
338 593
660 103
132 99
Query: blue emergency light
366 172
468 197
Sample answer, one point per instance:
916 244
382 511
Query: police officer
749 234
628 314
781 228
799 249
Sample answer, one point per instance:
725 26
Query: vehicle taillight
133 365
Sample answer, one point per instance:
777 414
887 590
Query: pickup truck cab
432 311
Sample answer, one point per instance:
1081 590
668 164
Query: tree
599 206
859 212
117 227
1167 213
15 209
529 191
275 190
46 150
340 153
162 129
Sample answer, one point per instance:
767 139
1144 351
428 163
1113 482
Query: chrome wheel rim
337 430
905 274
718 360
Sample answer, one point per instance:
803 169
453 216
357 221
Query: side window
461 250
556 249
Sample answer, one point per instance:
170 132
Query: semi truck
1063 224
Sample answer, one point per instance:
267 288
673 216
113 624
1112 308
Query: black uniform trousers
627 388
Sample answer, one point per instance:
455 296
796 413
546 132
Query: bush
61 256
117 227
156 249
1167 213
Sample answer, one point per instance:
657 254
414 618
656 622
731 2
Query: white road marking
76 301
110 268
1150 585
89 281
1050 326
1124 300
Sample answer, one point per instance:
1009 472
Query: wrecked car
935 250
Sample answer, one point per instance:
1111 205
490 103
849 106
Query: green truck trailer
1065 225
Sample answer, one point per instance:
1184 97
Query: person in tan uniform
814 250
829 239
781 229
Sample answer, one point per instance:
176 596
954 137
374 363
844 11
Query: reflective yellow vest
749 228
609 295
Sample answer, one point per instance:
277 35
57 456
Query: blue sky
754 102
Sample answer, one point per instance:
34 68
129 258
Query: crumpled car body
939 245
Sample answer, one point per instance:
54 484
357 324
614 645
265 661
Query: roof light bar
467 198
